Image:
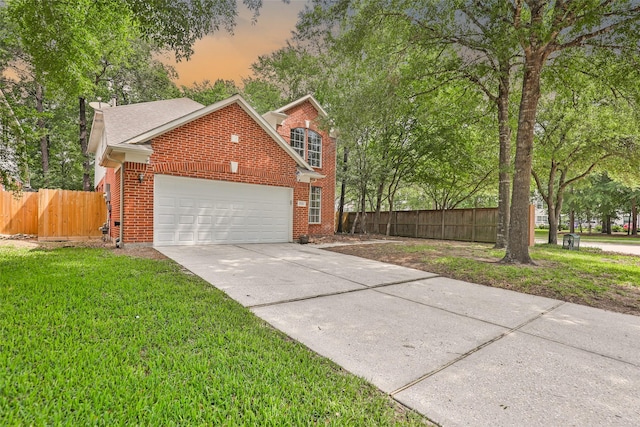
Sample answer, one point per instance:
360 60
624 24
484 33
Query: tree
262 95
545 30
580 128
207 93
177 25
71 46
465 47
10 133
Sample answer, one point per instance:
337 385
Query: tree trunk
634 217
363 215
84 144
518 240
44 135
343 189
557 211
355 221
378 207
553 223
504 186
388 231
572 221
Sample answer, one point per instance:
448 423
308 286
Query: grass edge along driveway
589 276
91 337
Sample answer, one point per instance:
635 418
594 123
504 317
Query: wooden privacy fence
471 225
53 214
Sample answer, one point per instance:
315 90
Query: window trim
300 140
312 207
318 151
297 132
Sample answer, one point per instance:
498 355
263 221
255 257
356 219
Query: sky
229 57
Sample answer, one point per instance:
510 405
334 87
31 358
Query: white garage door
190 211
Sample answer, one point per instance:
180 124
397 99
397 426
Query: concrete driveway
459 353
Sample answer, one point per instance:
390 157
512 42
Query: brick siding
296 118
203 149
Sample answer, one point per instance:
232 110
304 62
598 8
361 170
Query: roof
306 98
128 121
129 126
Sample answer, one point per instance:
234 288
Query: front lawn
588 276
617 238
88 337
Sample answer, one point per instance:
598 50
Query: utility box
571 241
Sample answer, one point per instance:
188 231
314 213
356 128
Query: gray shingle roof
124 122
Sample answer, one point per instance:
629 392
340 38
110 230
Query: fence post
473 225
532 225
442 237
417 223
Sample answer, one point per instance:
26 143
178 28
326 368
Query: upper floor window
297 141
308 144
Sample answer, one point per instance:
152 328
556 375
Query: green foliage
91 337
84 49
178 25
66 43
207 93
262 95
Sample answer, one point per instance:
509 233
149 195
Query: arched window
314 149
308 144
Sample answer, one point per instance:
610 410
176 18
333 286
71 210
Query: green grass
619 238
91 338
586 276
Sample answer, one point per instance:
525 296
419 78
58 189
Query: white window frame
314 149
315 205
295 141
301 139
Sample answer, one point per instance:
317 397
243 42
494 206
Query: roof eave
115 155
97 128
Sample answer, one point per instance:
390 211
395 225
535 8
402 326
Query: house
541 213
175 172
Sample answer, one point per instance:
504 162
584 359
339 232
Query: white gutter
120 243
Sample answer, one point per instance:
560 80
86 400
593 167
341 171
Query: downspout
120 242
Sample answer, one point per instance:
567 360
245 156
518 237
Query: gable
303 110
209 139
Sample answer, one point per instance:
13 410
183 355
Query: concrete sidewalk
621 248
459 353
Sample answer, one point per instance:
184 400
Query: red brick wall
203 149
297 116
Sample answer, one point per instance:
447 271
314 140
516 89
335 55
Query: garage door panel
195 211
205 219
164 219
206 204
185 219
187 203
205 236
